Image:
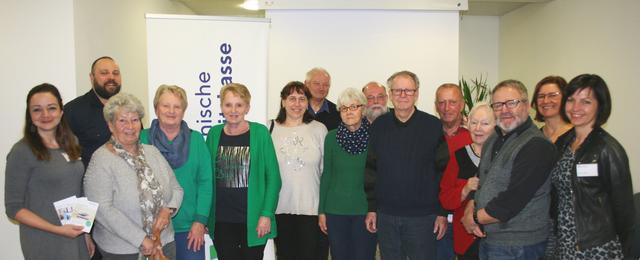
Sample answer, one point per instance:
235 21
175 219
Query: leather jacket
603 205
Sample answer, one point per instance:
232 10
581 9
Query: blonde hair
173 89
238 90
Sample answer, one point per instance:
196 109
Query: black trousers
298 237
230 242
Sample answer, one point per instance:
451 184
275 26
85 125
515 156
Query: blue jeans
349 238
445 245
411 237
494 252
182 252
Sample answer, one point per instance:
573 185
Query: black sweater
404 165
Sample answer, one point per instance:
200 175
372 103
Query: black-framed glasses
350 108
509 104
398 91
550 95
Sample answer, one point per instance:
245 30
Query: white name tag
66 156
587 170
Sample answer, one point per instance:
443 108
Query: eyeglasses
398 91
375 98
350 108
550 95
509 104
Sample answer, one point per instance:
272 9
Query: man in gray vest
510 210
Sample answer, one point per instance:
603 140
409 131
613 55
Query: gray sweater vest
528 227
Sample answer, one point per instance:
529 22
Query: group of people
324 177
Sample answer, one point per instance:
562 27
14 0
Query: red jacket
451 188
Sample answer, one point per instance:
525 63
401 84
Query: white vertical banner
201 54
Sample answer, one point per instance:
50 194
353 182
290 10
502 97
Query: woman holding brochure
42 168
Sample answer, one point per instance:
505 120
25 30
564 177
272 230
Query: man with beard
84 113
510 209
376 100
449 105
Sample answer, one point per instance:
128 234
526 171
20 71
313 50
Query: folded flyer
77 211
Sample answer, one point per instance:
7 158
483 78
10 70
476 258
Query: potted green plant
473 91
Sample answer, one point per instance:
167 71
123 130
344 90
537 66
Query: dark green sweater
342 182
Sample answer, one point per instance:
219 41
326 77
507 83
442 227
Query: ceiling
231 7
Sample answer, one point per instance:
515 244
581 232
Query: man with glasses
376 100
405 159
510 209
318 81
449 105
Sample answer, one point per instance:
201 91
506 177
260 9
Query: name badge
66 156
587 170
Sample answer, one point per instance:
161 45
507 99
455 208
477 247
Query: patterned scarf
177 151
353 142
148 186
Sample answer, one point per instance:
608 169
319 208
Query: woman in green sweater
343 203
190 160
247 180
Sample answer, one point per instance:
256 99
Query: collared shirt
323 108
85 117
328 115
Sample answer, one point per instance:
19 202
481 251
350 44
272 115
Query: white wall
479 48
358 46
117 28
36 46
571 37
52 41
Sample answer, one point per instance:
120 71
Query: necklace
475 150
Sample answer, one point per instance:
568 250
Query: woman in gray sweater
135 186
44 167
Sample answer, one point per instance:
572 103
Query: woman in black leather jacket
592 182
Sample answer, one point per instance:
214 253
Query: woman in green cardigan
190 160
343 203
247 180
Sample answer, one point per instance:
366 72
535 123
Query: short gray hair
405 73
351 95
314 71
481 105
124 102
514 84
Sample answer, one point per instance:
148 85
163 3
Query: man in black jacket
318 81
84 113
